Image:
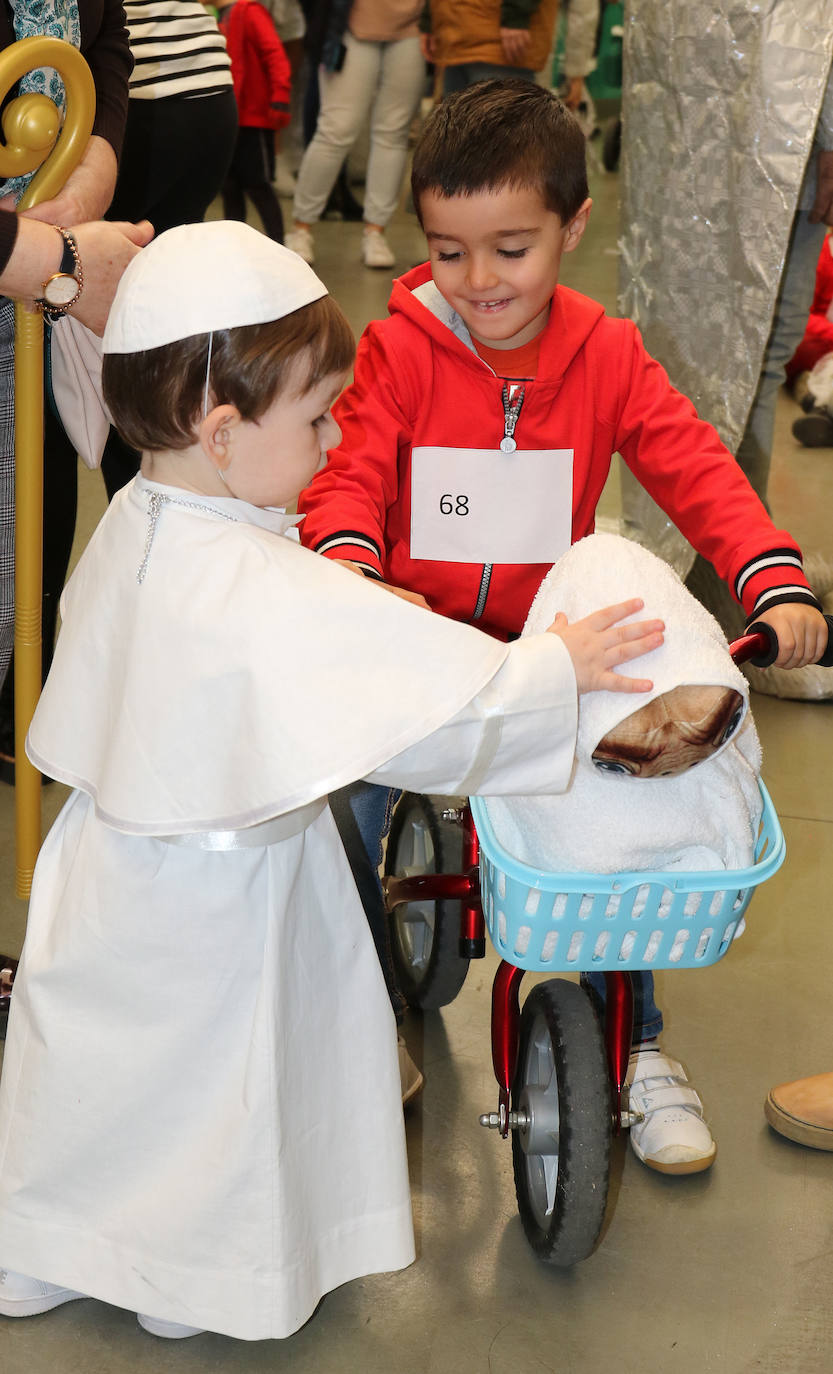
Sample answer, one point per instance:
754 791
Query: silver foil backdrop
719 104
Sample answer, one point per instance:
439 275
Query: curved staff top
35 138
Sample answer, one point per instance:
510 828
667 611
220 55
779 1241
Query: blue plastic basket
590 922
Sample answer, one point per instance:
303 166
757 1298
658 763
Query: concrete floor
729 1270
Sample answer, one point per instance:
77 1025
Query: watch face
60 290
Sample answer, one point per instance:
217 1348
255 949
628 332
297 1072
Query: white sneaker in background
376 251
672 1136
21 1296
300 241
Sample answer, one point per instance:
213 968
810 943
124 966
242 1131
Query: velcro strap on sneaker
655 1064
651 1094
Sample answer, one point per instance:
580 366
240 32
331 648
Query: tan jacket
469 31
384 21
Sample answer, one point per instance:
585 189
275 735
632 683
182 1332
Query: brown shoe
410 1077
803 1110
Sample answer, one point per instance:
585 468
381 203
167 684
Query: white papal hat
201 277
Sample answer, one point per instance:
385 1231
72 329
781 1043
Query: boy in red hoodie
261 75
478 435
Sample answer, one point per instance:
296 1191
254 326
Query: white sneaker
300 241
169 1331
376 251
672 1136
411 1079
21 1296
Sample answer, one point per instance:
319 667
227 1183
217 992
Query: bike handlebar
759 646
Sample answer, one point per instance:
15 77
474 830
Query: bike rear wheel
425 934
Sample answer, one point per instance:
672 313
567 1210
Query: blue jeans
363 814
647 1017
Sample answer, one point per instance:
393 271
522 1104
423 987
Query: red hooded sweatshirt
418 382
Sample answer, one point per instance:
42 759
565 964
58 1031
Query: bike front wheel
561 1149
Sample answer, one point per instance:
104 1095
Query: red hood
572 320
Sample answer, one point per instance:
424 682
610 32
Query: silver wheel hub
415 921
537 1118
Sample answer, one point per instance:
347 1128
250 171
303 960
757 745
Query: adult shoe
803 1110
376 251
299 240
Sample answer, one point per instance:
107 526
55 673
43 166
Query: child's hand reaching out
599 642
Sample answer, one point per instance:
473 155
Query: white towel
705 818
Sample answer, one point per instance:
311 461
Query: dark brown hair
503 133
156 397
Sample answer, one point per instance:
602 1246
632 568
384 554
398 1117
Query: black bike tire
441 980
584 1125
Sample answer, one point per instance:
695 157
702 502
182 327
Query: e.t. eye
612 766
732 726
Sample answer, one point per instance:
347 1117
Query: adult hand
427 46
822 211
515 44
105 250
87 192
575 86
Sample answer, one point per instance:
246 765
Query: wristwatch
62 289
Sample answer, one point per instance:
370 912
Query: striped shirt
177 48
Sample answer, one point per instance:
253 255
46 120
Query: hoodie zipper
511 412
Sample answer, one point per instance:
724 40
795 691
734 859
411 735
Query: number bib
478 505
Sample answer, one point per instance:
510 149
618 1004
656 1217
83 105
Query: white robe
200 1112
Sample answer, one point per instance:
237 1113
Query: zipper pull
511 411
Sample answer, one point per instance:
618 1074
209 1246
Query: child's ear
216 434
577 226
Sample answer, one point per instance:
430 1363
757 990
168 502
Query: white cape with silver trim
241 677
200 1114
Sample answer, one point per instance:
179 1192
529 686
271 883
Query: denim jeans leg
362 813
647 1017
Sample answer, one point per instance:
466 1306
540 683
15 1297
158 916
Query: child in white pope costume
200 1114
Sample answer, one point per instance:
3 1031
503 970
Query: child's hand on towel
599 642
